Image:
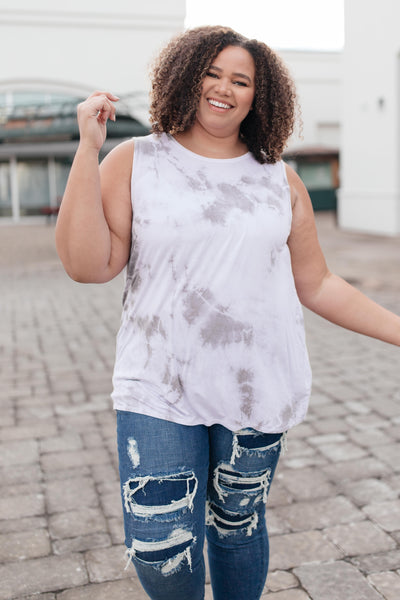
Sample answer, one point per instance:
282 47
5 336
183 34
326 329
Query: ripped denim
180 483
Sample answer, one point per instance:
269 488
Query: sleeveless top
212 328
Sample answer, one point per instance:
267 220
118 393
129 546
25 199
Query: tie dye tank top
212 328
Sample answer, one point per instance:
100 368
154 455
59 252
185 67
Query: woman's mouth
218 104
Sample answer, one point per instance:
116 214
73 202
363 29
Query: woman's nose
223 86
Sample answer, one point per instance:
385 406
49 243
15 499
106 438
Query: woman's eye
241 83
210 74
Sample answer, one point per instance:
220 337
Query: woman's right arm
93 230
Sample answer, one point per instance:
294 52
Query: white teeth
219 104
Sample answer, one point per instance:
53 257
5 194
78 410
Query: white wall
91 44
318 78
84 45
72 48
369 198
349 99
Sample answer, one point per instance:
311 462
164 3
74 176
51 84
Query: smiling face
227 92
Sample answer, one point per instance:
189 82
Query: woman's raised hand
93 114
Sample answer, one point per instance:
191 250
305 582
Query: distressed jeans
180 483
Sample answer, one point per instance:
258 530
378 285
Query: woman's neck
202 142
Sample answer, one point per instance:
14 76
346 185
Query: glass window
33 186
25 103
61 98
5 190
3 108
316 176
28 98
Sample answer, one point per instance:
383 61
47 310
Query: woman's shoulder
294 180
125 150
118 162
297 188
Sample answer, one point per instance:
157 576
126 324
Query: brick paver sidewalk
334 508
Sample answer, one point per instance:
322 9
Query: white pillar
52 181
14 189
369 198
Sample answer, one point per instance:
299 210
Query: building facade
314 148
369 198
318 77
56 55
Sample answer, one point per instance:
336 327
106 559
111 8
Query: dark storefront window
316 175
33 186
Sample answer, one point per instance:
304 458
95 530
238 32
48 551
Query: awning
36 124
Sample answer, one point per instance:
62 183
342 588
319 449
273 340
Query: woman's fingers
100 105
93 114
106 110
108 95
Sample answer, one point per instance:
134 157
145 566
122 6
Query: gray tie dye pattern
212 329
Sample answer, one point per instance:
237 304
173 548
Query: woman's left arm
320 290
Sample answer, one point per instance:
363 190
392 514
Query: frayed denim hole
154 556
229 484
165 555
228 523
224 516
157 497
227 527
161 491
238 485
254 442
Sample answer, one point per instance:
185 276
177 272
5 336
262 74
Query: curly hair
177 78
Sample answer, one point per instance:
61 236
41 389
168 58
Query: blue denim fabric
179 482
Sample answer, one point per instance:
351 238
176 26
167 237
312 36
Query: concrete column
369 198
14 189
52 181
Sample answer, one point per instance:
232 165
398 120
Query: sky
284 24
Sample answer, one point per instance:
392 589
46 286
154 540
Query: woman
220 245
